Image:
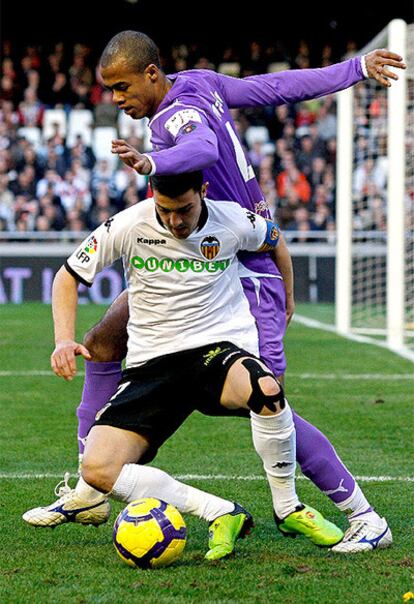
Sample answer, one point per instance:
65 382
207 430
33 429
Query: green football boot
310 523
225 530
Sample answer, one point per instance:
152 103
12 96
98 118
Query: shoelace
63 488
353 533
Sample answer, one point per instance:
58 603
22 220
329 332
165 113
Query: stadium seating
80 124
53 118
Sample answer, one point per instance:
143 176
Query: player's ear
152 71
204 188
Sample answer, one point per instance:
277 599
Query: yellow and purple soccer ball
149 533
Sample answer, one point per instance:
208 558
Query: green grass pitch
369 419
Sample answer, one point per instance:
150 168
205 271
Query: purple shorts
267 299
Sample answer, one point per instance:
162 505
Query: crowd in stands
57 175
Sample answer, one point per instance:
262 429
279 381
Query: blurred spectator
101 210
79 72
83 153
291 178
6 202
305 155
326 121
317 172
73 190
30 110
24 184
302 59
256 62
8 117
369 177
103 174
60 94
54 158
105 112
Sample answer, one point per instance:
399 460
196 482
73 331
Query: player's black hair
173 185
133 47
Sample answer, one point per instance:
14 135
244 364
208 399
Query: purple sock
320 463
101 380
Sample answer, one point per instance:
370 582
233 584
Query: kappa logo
108 224
210 247
151 241
252 218
281 464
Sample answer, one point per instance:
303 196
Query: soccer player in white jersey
192 345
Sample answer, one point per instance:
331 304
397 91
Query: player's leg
315 454
249 385
110 468
106 342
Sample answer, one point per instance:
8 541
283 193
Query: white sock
356 504
88 493
274 439
137 481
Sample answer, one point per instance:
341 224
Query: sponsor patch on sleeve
181 119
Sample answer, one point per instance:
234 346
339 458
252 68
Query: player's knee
269 386
267 396
98 475
102 348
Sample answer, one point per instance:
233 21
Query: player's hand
131 157
290 309
377 63
62 359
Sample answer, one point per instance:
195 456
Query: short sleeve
100 249
256 234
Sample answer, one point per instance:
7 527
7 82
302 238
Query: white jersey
183 293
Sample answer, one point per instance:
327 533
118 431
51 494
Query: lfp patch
91 245
210 247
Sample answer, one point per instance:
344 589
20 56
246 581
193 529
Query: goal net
375 202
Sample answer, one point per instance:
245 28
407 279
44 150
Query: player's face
134 93
181 214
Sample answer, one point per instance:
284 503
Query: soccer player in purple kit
192 129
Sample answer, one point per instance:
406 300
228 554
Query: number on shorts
120 389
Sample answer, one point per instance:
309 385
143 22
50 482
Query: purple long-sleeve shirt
193 128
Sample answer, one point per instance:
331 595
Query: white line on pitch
314 324
247 478
352 376
293 375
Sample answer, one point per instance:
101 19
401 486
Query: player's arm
98 250
284 263
274 242
258 234
64 306
192 145
297 85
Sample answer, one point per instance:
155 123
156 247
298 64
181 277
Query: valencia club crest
210 247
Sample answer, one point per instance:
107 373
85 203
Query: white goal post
375 202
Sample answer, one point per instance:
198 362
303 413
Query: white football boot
365 533
69 508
